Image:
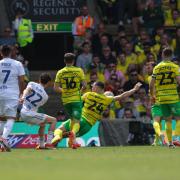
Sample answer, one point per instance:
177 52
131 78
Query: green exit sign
50 27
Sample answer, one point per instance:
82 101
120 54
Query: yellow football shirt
94 105
70 78
165 74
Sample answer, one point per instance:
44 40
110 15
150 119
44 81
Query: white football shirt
10 70
37 97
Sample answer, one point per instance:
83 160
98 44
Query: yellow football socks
177 131
58 133
75 128
157 129
169 130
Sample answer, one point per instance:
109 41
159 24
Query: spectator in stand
96 64
112 69
93 77
159 32
94 70
128 114
24 33
122 64
177 50
127 104
152 16
165 41
96 38
7 38
85 58
104 41
142 104
120 42
131 57
82 26
83 23
143 38
108 114
171 13
15 54
133 79
107 57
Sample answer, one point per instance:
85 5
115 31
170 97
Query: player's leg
169 129
156 114
10 110
75 123
41 136
59 132
52 121
175 108
176 113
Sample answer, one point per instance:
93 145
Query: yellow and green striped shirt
94 105
70 78
165 74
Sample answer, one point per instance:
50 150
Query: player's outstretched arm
128 93
57 88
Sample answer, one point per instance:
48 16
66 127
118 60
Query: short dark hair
69 57
99 84
6 50
45 78
167 52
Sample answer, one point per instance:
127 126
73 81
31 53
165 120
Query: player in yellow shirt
68 83
163 87
95 103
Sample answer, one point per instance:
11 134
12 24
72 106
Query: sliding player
95 103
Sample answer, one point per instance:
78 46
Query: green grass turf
100 163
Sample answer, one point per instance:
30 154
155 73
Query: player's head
98 87
109 93
6 51
69 58
45 79
167 53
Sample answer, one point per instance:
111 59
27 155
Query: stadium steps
53 105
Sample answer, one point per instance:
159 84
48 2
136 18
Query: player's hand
152 99
21 100
137 86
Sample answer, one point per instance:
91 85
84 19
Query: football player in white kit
11 87
34 96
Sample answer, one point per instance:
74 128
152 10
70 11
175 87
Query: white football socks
49 137
7 128
2 123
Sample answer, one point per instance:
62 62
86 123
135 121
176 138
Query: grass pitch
100 163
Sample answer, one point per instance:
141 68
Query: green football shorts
74 110
84 126
170 109
156 111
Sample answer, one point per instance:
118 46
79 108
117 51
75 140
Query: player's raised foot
2 149
49 146
55 140
72 138
5 144
75 145
45 147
